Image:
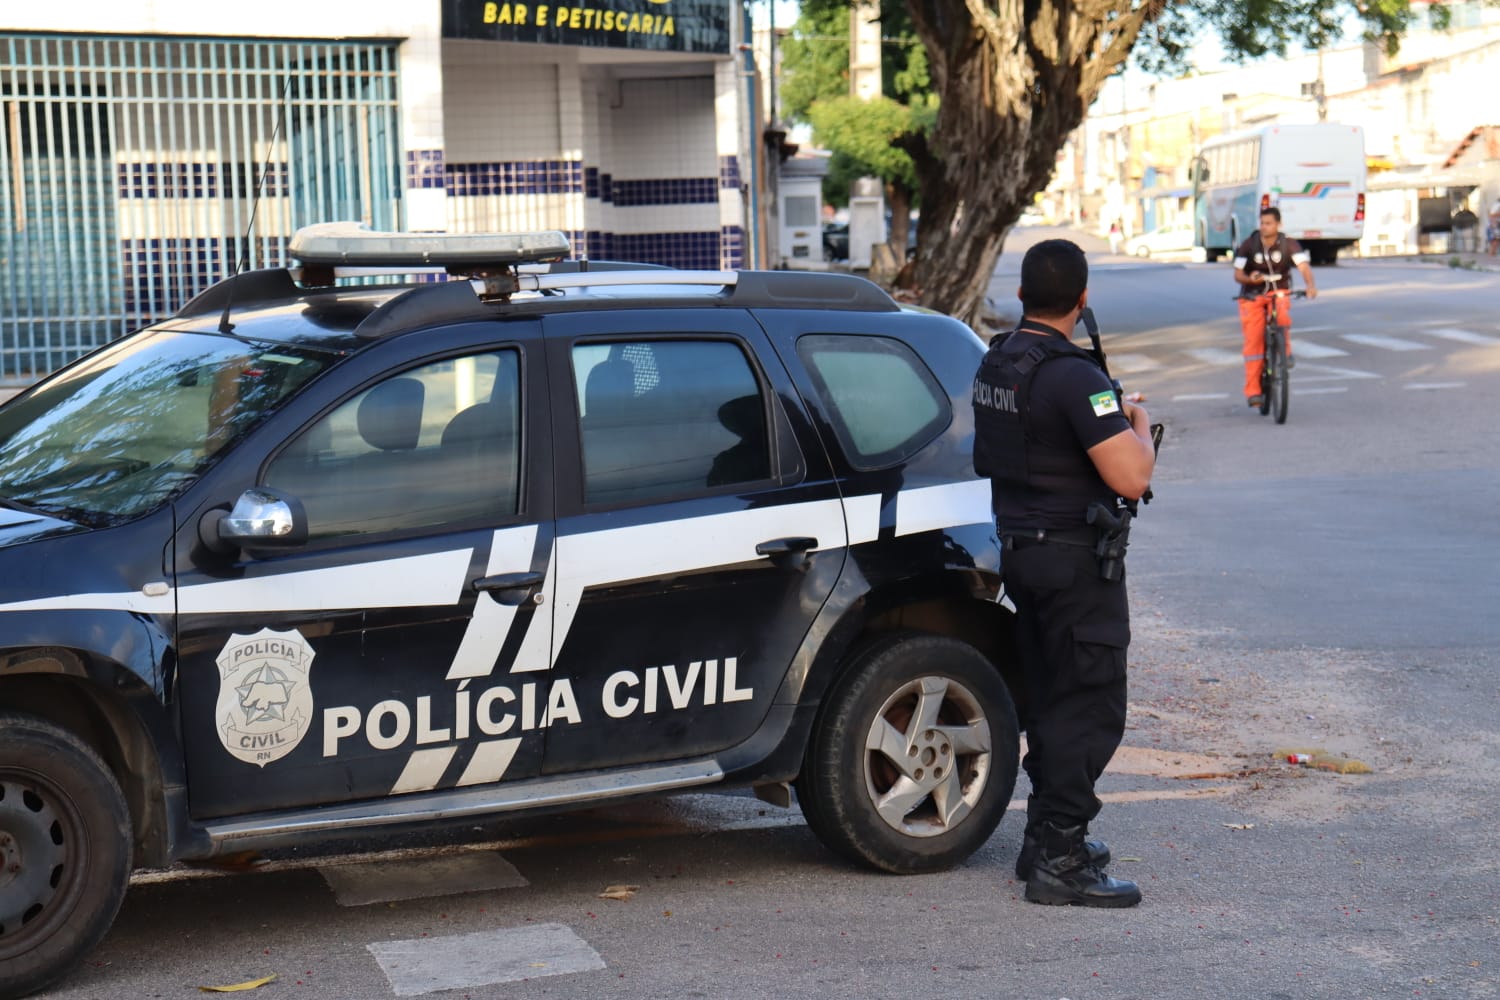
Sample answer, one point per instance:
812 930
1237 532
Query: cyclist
1267 252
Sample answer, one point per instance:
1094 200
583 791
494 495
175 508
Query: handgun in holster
1113 540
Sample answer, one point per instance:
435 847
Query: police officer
1055 438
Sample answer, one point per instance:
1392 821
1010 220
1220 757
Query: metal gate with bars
135 172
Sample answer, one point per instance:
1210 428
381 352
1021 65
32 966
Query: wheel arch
56 685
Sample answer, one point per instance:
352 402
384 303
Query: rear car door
699 532
385 655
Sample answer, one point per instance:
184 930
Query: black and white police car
313 560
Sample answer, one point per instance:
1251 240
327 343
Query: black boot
1098 852
1063 875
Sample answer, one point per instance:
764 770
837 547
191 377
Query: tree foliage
1004 82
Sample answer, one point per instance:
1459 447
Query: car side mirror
263 518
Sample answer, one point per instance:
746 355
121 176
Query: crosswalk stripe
420 878
1384 342
1193 396
1463 336
1328 373
427 964
1419 386
1321 390
1132 362
1307 349
1216 356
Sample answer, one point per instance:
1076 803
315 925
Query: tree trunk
899 200
1014 79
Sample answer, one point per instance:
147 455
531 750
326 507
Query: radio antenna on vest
244 244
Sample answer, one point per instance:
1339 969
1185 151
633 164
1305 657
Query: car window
129 427
432 446
885 404
667 418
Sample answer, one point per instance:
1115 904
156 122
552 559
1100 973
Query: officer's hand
1137 415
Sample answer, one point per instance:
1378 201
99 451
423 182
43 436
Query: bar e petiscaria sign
659 25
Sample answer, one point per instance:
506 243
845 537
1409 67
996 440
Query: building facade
174 142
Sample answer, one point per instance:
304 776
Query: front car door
699 532
376 659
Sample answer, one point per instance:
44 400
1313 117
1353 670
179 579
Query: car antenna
244 244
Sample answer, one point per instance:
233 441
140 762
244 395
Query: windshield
129 428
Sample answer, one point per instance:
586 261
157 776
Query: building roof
1482 143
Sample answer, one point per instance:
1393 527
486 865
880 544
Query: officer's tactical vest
1003 449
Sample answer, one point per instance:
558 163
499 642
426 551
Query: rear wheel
1276 367
64 851
913 760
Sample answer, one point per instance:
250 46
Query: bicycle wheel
1265 378
1276 370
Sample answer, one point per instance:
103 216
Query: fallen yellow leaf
240 987
619 891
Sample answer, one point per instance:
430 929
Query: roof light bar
331 244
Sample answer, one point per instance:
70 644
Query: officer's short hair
1272 211
1054 275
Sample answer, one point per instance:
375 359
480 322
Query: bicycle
1275 387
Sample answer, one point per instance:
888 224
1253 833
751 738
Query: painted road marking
1463 336
1383 342
1322 390
420 878
1216 356
1307 349
1428 386
1132 363
1191 396
1329 373
417 966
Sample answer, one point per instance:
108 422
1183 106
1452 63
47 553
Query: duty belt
1020 538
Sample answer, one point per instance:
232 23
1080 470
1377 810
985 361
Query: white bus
1314 173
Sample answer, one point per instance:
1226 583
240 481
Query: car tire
1143 251
955 775
65 844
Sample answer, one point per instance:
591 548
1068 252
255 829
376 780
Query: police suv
315 559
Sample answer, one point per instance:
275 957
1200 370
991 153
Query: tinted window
884 402
432 446
129 427
666 418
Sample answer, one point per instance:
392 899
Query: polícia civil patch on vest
1104 403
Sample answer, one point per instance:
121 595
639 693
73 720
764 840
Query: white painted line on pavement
1307 349
425 965
1191 396
1383 342
1329 373
1216 356
1322 390
420 878
1132 363
1421 386
1463 336
1313 329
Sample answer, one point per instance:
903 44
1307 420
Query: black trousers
1072 629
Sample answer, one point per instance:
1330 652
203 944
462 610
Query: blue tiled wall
200 180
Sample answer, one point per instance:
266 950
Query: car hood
20 526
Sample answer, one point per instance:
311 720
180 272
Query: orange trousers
1253 314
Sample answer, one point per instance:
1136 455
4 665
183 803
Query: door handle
509 588
787 553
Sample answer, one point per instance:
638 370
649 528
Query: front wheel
913 759
1276 368
64 851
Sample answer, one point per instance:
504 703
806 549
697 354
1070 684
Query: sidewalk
1464 260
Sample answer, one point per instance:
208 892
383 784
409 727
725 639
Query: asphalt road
1327 584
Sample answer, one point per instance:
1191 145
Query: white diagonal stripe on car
423 770
490 762
510 552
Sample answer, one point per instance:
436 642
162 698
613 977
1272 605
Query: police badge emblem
265 696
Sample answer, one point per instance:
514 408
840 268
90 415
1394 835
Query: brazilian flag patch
1104 403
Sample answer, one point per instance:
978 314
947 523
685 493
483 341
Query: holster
1112 540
